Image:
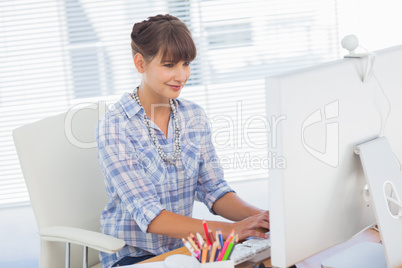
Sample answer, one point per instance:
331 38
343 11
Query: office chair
58 158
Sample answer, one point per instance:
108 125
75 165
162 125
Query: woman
157 156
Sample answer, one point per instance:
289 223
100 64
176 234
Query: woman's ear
139 62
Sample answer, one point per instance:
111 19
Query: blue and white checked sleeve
211 183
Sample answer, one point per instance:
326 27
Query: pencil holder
216 264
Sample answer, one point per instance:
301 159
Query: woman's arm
247 219
179 226
232 207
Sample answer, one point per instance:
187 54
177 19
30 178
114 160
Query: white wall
377 24
19 241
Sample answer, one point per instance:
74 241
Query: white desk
313 262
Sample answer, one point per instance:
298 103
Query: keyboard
253 249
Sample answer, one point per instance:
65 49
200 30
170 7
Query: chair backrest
58 158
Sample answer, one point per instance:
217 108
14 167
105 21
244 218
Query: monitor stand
384 178
361 255
383 174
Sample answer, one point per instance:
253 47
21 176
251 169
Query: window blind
57 54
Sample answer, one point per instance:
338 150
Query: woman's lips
174 87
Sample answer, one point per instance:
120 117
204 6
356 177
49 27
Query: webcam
350 42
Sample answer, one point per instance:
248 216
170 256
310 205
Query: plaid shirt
140 184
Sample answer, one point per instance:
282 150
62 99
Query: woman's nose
181 75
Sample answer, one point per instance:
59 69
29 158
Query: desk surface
312 262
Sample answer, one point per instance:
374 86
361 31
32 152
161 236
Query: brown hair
166 34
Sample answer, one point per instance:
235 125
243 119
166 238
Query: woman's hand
247 227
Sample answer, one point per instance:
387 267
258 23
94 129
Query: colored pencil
191 241
235 242
188 245
219 232
211 236
228 250
204 223
218 251
213 251
204 253
195 240
200 239
225 245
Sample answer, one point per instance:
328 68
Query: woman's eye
187 63
169 65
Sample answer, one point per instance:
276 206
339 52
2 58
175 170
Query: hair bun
139 27
165 17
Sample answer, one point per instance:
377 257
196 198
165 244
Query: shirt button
175 208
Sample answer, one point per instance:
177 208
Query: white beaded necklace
177 143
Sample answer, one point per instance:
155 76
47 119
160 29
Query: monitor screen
317 116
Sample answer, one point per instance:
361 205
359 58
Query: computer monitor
318 115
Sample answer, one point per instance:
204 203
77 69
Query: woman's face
167 78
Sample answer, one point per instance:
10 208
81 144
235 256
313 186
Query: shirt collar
131 107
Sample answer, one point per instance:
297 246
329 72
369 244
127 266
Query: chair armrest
95 240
